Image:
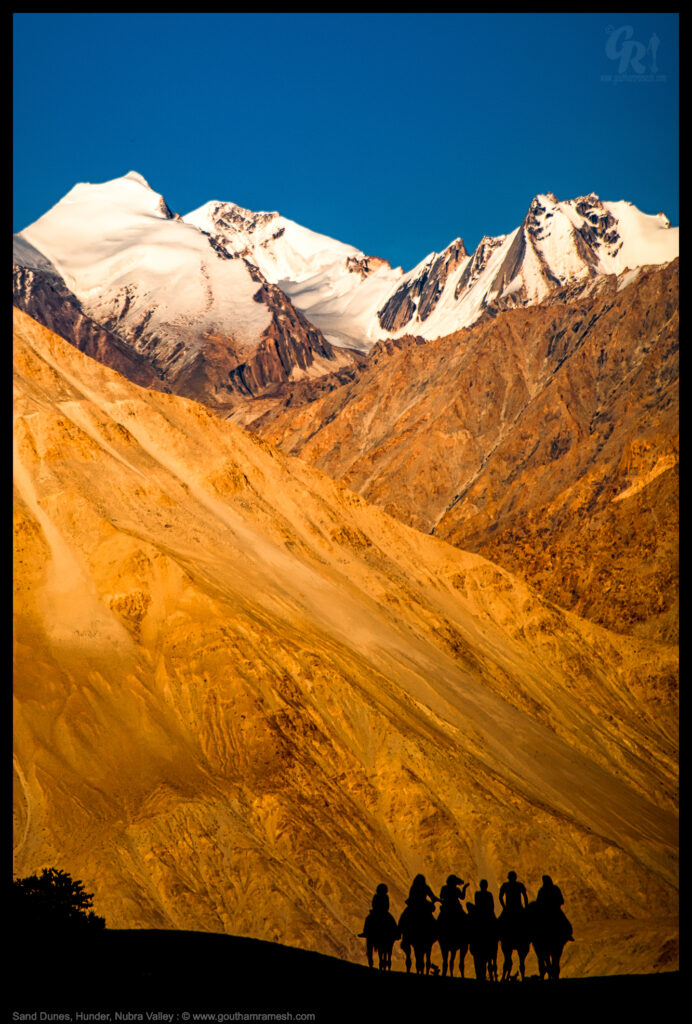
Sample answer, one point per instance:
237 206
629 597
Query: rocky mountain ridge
545 437
179 290
558 246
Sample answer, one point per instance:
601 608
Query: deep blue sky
393 132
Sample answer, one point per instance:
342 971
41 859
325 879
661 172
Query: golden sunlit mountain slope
244 696
545 439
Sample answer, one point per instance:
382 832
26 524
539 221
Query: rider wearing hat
451 895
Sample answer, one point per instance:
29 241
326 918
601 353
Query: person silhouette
380 929
451 896
379 906
550 901
417 924
483 900
421 896
380 901
513 895
483 933
549 896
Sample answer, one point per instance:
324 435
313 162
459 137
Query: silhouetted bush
53 903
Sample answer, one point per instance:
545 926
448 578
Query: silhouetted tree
53 902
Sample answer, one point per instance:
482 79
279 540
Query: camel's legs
522 965
407 951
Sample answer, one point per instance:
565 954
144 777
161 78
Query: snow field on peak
311 268
646 238
558 248
120 233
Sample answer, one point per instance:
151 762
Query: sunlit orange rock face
244 696
544 438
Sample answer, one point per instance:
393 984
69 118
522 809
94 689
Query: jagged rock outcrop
419 294
364 265
288 344
244 696
543 437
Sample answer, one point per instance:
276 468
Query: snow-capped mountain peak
336 285
131 192
125 255
173 293
357 299
136 176
558 243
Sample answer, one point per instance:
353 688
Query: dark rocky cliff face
423 291
46 298
288 342
477 264
365 266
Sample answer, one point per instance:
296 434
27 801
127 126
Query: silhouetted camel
453 937
513 929
483 942
418 929
381 931
550 931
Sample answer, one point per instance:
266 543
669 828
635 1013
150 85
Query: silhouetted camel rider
484 933
452 924
420 896
549 896
417 924
451 896
380 929
513 924
550 929
550 901
378 908
483 900
513 895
